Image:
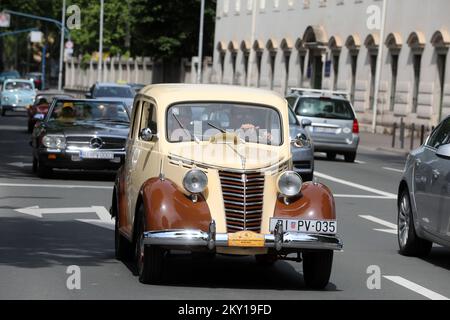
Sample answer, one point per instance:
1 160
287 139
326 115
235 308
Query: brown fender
316 202
167 207
121 197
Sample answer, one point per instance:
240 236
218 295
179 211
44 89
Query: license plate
306 226
325 130
246 239
96 155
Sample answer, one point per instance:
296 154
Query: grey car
112 92
335 128
424 195
301 147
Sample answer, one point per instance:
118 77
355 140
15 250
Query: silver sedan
424 195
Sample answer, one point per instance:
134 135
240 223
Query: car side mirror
146 134
306 123
444 151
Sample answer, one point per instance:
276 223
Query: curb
386 150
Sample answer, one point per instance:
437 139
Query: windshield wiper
216 127
182 127
115 120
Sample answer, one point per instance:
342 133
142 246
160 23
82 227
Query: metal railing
411 131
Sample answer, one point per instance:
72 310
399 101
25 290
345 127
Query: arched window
394 44
441 43
353 44
335 45
272 49
372 43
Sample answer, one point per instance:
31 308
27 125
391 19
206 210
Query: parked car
16 95
80 134
112 92
424 195
335 128
137 87
37 78
39 109
209 169
301 146
5 75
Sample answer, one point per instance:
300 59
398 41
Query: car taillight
355 126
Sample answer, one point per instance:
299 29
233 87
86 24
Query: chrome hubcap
404 215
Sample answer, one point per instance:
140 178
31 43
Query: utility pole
252 40
61 52
379 66
200 42
100 50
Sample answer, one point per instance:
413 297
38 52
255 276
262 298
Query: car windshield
18 85
113 92
78 111
201 121
325 108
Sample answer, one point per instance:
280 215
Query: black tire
408 241
331 156
149 260
317 268
3 112
123 248
35 165
30 127
266 259
350 157
43 171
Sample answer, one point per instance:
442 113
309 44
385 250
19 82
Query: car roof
312 93
167 94
111 84
17 80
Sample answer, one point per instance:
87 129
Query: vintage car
80 134
209 170
16 95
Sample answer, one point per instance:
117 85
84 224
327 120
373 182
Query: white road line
392 169
56 186
391 231
360 196
360 162
355 185
416 288
380 221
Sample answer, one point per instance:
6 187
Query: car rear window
325 108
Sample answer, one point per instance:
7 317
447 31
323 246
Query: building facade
334 44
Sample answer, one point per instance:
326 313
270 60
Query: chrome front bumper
278 240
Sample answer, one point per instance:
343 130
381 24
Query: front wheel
410 244
149 259
317 268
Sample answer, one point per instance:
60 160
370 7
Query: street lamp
200 42
100 50
61 53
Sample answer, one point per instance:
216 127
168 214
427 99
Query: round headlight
290 183
48 141
195 181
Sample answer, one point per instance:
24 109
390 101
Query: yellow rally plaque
246 239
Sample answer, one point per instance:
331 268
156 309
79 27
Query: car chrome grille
243 200
109 143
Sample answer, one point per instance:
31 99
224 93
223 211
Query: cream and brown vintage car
208 169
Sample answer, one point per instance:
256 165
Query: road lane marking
20 164
360 162
392 228
356 185
35 211
56 186
392 169
361 196
416 288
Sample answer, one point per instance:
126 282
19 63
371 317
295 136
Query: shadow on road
440 257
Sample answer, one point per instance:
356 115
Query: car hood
246 156
88 128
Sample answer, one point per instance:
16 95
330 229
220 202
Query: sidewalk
383 142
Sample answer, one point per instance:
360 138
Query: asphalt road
35 251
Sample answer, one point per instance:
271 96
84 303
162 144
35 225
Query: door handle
436 174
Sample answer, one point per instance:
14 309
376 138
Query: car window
292 118
251 123
291 101
18 85
325 108
148 118
113 92
80 111
441 135
135 114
